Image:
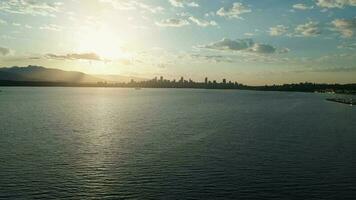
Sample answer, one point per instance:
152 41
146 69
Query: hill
42 74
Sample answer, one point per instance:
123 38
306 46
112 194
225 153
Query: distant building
161 79
224 81
206 80
181 79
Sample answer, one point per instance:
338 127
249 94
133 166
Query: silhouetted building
224 81
181 79
206 80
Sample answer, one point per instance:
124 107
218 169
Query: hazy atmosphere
178 99
250 41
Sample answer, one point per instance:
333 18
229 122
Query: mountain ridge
43 74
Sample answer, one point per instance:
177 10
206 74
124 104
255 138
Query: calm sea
101 143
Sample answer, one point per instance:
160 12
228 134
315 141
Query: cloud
334 69
197 21
350 46
51 27
278 30
346 27
183 3
201 22
209 58
132 5
229 45
301 6
3 21
75 56
335 3
241 45
149 8
30 7
172 22
284 50
120 5
262 48
309 29
235 11
5 51
249 34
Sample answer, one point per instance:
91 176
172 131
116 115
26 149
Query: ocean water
102 143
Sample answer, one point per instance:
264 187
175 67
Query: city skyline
254 42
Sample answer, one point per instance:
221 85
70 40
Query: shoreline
343 89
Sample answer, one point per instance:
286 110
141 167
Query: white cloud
301 6
235 11
3 21
201 22
262 48
149 8
249 34
309 29
284 50
132 5
30 7
183 3
350 46
51 27
120 5
172 22
335 3
278 30
346 27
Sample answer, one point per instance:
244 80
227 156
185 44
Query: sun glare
101 41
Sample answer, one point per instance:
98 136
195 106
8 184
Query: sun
101 41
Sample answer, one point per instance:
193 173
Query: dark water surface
92 143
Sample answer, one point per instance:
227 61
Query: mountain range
43 74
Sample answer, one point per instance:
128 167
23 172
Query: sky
250 41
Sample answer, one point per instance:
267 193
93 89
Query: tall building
224 81
181 79
206 80
161 79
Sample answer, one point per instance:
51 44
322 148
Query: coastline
347 89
